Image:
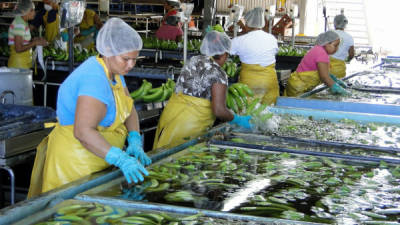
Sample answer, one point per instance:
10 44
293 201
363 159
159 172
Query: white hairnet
23 6
340 21
215 43
327 37
255 18
116 37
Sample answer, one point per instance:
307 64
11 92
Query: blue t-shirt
88 79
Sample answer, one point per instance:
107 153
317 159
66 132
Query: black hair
172 20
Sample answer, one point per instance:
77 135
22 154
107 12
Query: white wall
383 20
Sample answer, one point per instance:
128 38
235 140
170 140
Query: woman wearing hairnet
314 67
199 96
95 114
19 36
256 50
345 51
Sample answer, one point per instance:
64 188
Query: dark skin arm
218 102
351 53
97 22
323 71
20 47
89 113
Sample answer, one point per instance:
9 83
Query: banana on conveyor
148 94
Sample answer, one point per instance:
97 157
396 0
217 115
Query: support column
302 6
210 7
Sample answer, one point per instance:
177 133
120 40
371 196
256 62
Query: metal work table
21 130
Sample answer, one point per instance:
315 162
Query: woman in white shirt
345 51
256 50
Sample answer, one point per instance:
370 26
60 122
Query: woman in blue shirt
95 115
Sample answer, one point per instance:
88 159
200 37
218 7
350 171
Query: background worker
200 96
171 8
88 28
256 50
19 36
48 17
345 52
95 115
314 68
170 31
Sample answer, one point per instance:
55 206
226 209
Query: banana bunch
4 51
95 213
148 94
237 98
230 68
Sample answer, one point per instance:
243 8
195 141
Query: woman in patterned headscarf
199 96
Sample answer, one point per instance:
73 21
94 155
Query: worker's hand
40 41
243 121
340 82
135 193
130 167
337 89
135 148
208 29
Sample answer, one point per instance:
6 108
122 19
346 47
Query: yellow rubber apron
21 60
337 67
262 80
185 117
87 22
61 158
51 29
299 83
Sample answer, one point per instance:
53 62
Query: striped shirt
19 28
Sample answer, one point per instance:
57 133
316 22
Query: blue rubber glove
135 148
135 193
243 121
340 82
208 29
131 167
336 89
88 31
64 36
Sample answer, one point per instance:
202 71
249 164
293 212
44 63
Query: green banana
69 209
229 101
146 89
154 217
247 90
154 96
234 104
165 93
107 210
179 196
154 183
69 218
239 89
251 106
234 91
138 91
137 219
159 188
239 102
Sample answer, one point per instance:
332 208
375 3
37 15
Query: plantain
159 188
